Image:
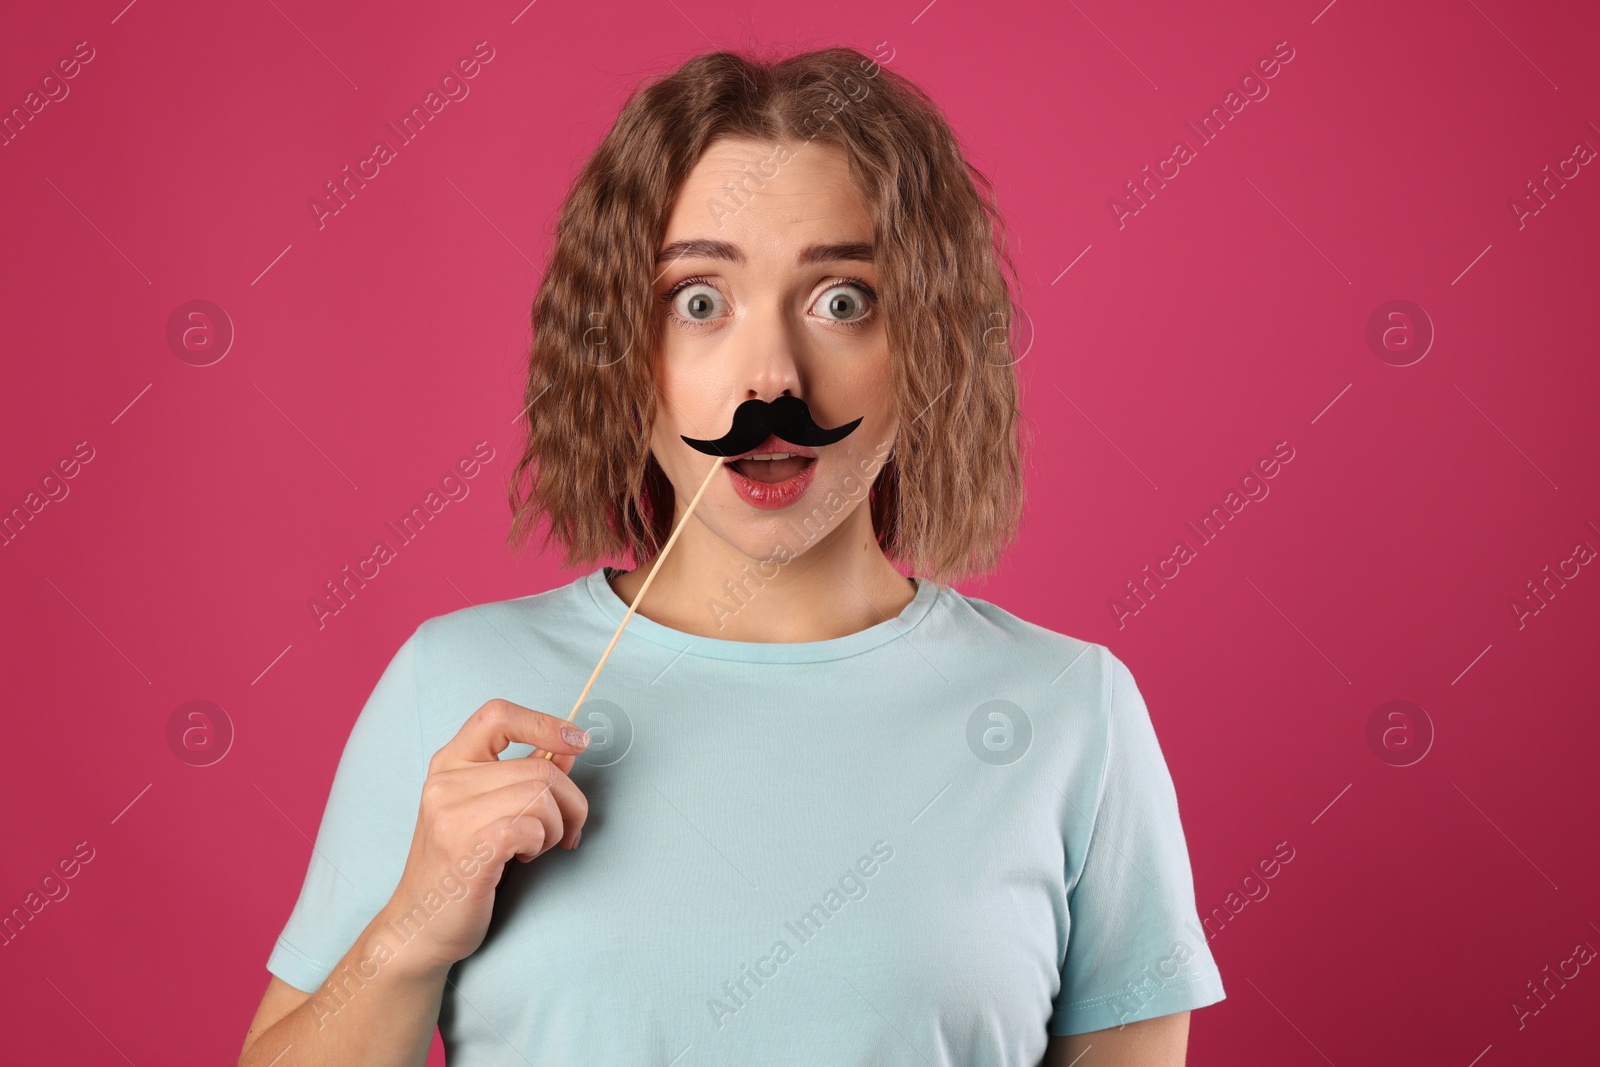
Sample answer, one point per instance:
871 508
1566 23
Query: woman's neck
840 585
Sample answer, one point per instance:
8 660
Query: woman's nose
771 352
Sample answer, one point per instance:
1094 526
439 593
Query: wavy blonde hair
949 499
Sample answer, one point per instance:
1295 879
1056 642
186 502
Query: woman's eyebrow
705 248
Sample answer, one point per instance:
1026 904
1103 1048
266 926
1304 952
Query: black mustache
755 420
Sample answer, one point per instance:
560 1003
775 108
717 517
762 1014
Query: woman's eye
698 303
845 303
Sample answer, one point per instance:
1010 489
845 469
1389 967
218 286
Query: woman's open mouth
772 483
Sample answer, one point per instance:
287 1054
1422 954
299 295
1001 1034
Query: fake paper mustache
787 418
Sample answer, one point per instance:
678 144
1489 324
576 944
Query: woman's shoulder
984 626
559 610
987 619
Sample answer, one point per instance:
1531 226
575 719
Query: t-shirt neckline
613 608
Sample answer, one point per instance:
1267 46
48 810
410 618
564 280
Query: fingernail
576 838
574 736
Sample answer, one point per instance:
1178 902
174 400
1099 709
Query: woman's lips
773 495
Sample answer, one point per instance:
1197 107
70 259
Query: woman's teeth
772 466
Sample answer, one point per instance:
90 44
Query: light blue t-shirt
934 841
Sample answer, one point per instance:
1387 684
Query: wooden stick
655 570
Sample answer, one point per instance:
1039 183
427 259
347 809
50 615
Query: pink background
1229 314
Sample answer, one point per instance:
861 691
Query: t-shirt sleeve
1135 949
366 829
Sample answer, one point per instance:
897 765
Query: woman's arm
1159 1042
380 1003
383 1014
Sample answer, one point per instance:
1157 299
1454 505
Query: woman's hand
477 812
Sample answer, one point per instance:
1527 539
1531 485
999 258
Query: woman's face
785 304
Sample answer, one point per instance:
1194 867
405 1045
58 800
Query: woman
829 813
